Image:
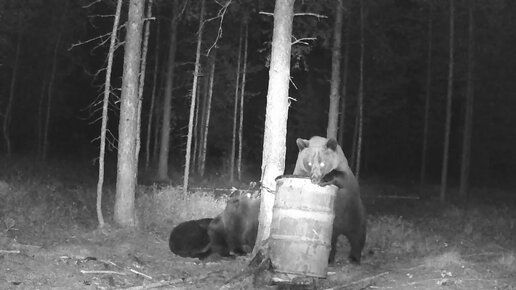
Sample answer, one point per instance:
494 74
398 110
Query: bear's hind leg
356 241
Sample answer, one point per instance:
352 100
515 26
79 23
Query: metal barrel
301 228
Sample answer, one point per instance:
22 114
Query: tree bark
12 87
276 114
468 118
153 96
336 58
105 104
167 98
428 89
360 93
242 97
235 113
143 66
449 95
192 104
124 214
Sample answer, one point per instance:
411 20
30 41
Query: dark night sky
396 42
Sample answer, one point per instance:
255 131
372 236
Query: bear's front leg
334 177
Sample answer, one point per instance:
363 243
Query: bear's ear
302 143
332 144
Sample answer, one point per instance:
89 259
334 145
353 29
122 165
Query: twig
139 273
9 252
366 279
102 272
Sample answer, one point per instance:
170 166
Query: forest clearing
49 239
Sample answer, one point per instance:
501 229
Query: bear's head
318 157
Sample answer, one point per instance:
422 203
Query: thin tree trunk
468 118
360 92
50 94
12 87
354 142
449 95
192 104
208 114
143 66
105 103
424 150
157 118
124 214
153 97
342 128
40 117
276 114
167 98
196 125
200 118
235 113
336 58
242 97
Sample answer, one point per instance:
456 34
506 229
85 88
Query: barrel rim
291 176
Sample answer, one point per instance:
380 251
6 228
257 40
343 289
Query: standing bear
323 160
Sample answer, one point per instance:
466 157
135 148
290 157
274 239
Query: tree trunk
276 114
167 98
242 97
196 126
208 114
50 94
105 104
12 87
336 58
143 66
235 113
124 214
468 118
360 92
153 97
449 95
427 98
345 70
192 104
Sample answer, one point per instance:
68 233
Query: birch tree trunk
192 104
360 93
276 114
242 97
235 114
428 88
468 118
336 58
208 115
153 96
105 103
167 98
12 87
124 214
449 95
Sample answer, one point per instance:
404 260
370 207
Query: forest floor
49 240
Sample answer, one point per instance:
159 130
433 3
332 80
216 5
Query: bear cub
323 161
190 239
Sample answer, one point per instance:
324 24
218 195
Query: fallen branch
102 272
155 285
9 252
139 273
366 279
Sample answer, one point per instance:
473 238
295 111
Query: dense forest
54 54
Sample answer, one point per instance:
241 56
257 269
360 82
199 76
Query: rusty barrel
301 228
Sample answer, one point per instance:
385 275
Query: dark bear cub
190 239
324 162
233 232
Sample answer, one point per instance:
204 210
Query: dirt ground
74 255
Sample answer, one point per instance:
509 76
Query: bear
190 239
323 161
233 232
